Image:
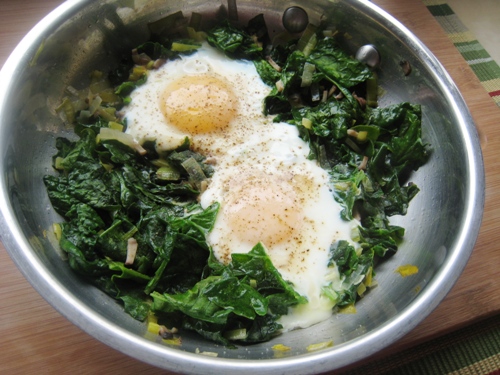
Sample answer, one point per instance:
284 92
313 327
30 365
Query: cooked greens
123 201
108 194
369 152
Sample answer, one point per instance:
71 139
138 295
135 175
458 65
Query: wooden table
34 338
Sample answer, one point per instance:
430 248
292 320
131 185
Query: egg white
268 190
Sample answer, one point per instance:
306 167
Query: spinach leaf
257 265
330 119
234 42
247 293
108 194
135 305
369 152
267 73
336 64
213 299
353 268
104 207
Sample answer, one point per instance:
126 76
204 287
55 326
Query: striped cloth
485 68
473 350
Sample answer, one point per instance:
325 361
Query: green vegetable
234 42
110 190
267 73
105 207
237 43
167 173
336 65
307 75
248 294
183 47
195 171
369 152
308 40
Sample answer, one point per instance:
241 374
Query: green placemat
480 61
473 350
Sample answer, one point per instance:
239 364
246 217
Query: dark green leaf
337 64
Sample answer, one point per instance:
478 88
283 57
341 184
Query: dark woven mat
472 350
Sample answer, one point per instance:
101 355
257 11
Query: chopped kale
109 193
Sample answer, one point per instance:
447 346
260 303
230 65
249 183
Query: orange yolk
199 104
263 209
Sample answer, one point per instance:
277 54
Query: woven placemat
480 61
472 350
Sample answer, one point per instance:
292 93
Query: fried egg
267 188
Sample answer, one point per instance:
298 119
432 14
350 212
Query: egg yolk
265 210
199 104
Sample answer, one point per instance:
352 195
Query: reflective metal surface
369 55
442 222
295 19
